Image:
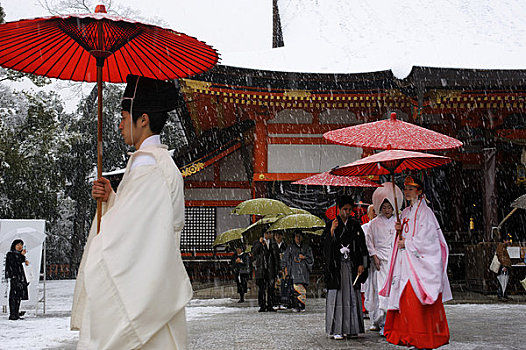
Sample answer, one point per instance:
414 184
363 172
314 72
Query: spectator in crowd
280 247
297 262
14 271
503 275
241 267
266 266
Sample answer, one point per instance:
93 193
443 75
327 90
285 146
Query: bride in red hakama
417 283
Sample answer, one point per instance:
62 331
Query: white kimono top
380 235
132 286
423 261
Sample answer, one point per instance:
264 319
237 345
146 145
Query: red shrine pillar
260 150
260 147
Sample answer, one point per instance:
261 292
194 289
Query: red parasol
72 47
391 162
392 134
328 179
357 210
99 47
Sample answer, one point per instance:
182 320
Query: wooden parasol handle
396 204
99 140
100 63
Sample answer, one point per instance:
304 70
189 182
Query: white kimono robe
379 239
423 262
132 286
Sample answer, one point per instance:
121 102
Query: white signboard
32 232
514 252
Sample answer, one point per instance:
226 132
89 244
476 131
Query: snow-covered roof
351 36
355 36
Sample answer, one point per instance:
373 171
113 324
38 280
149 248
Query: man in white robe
132 286
379 239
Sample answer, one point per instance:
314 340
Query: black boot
241 298
14 306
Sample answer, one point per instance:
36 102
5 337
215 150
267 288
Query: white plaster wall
225 221
309 158
292 116
231 167
338 116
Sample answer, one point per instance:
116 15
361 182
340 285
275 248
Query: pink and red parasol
392 134
391 162
328 179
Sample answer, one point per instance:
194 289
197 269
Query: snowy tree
8 74
28 147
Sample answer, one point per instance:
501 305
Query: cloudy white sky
333 36
230 26
215 22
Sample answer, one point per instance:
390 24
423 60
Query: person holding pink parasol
417 282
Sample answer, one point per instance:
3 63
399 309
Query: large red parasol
392 134
328 179
99 47
391 162
72 47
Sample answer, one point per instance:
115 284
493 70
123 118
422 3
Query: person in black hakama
346 257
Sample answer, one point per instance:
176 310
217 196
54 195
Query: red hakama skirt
414 324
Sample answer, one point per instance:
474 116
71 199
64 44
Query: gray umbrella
519 202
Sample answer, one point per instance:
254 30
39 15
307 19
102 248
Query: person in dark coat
280 247
266 266
346 260
297 262
241 267
504 269
14 270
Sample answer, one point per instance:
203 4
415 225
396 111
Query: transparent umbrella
303 222
228 236
262 206
254 231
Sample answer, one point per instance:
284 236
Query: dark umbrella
99 47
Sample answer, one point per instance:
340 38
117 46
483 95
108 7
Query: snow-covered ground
51 330
225 324
42 331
